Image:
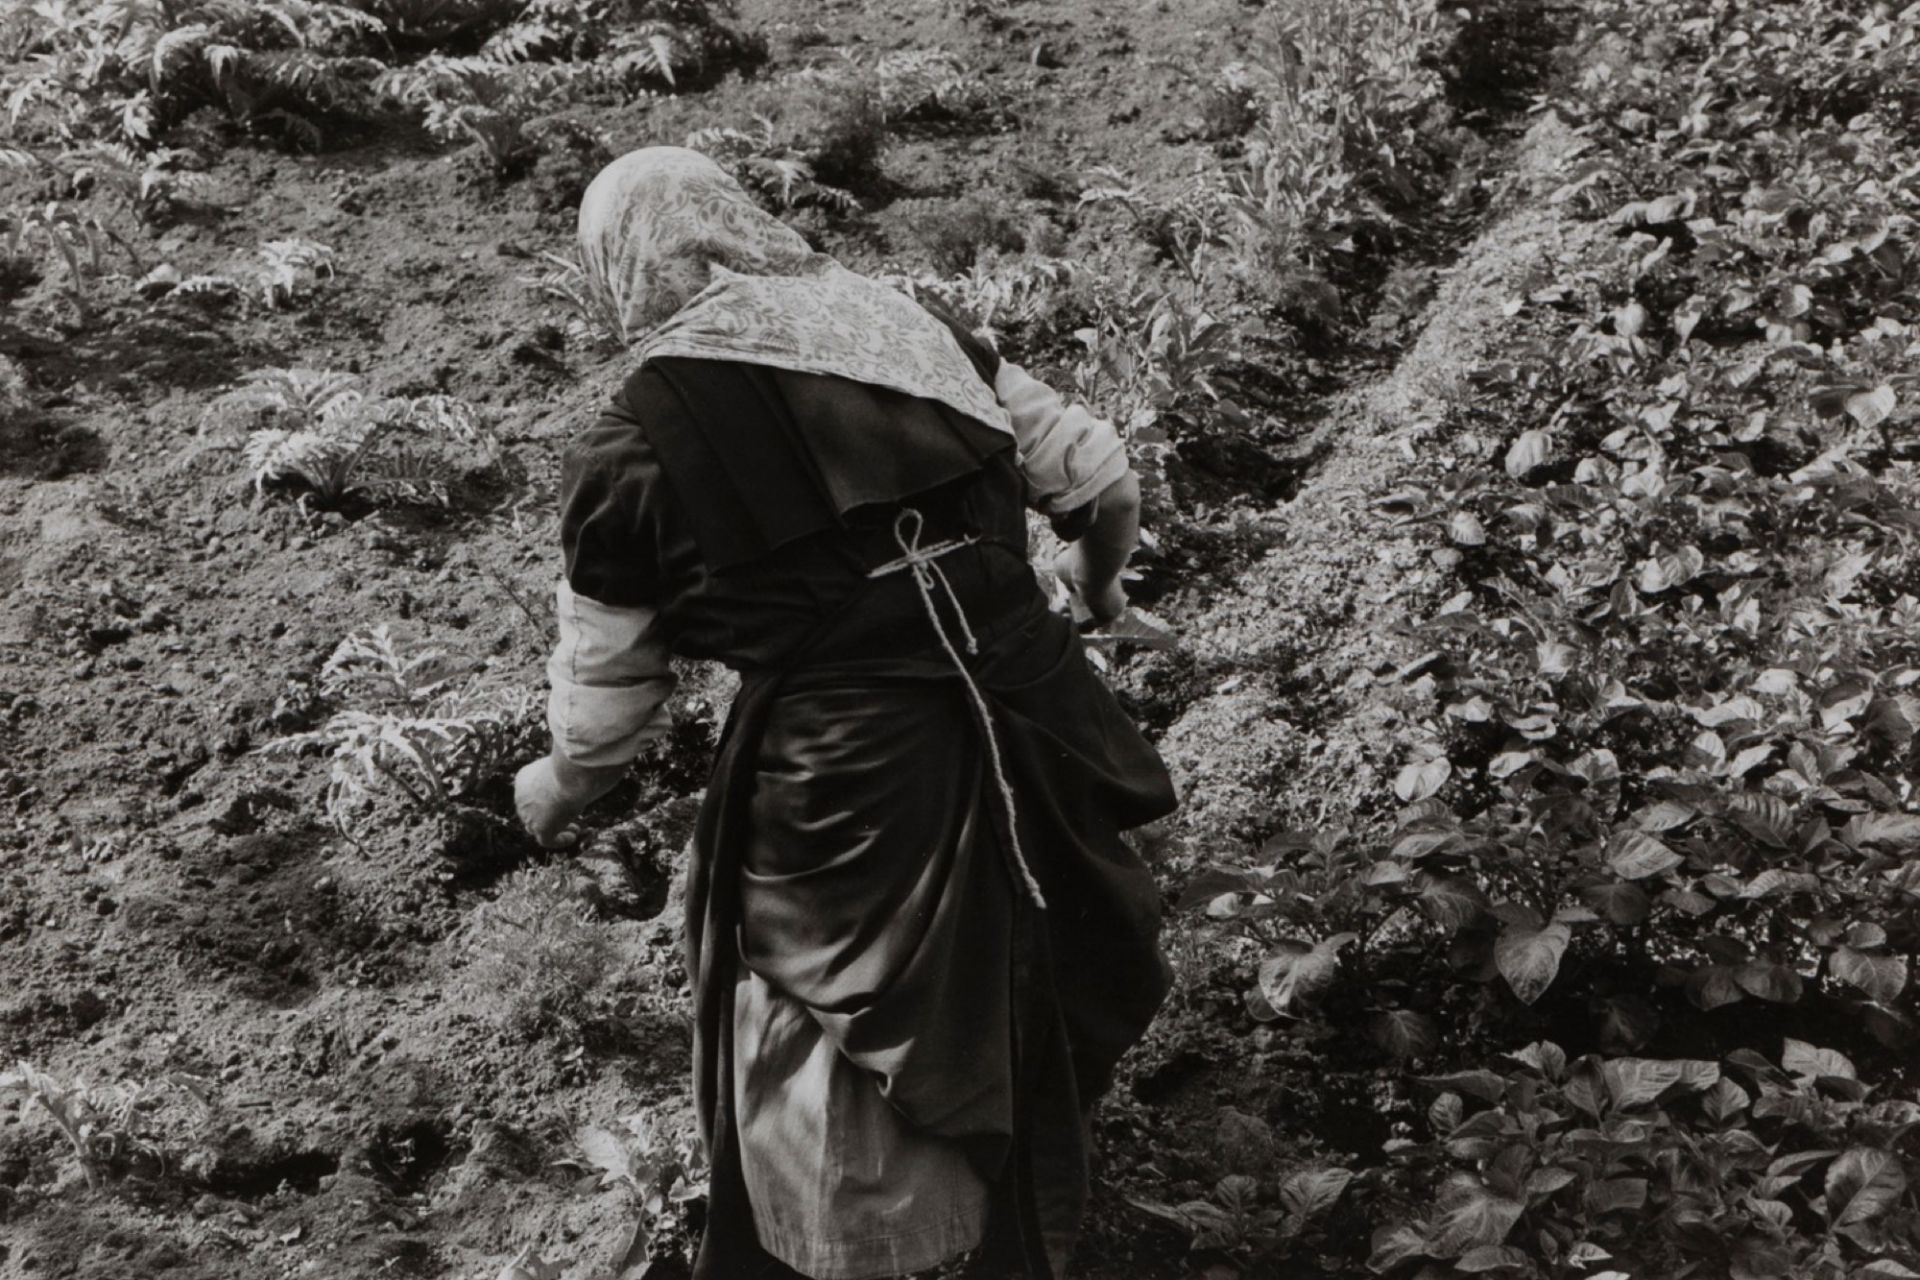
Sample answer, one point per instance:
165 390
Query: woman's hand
1102 601
1091 567
550 793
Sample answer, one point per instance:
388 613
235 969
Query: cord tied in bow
923 564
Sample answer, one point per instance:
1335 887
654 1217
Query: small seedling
101 1124
294 267
590 314
661 1177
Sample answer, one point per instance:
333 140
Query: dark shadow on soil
405 1155
267 1175
174 346
480 846
42 447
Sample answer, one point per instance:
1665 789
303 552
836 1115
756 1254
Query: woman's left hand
1092 606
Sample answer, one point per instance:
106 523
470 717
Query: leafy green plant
766 161
127 71
31 238
637 44
662 1177
1183 218
486 100
422 732
1000 295
814 139
1551 1166
1656 794
1342 91
299 398
1350 74
152 183
1141 357
589 316
1242 1221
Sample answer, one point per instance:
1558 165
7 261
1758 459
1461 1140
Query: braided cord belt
923 564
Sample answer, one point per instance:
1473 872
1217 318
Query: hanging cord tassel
923 564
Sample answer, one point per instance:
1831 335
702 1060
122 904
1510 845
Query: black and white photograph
959 639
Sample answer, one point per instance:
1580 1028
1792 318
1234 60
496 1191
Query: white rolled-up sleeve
610 679
1068 455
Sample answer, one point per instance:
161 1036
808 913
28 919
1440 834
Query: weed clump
540 953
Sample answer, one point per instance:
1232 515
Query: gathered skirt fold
894 1047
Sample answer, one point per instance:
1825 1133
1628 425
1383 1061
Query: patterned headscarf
693 267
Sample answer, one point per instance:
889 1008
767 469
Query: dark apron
1066 989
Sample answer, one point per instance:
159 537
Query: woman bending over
918 942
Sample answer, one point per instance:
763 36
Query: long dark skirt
854 855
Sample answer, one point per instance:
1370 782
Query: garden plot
1525 403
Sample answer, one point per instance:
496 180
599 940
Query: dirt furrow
1305 718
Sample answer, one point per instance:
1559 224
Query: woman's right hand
550 793
543 810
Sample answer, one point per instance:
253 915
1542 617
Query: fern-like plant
487 99
151 183
422 733
590 317
640 45
127 69
324 433
298 396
